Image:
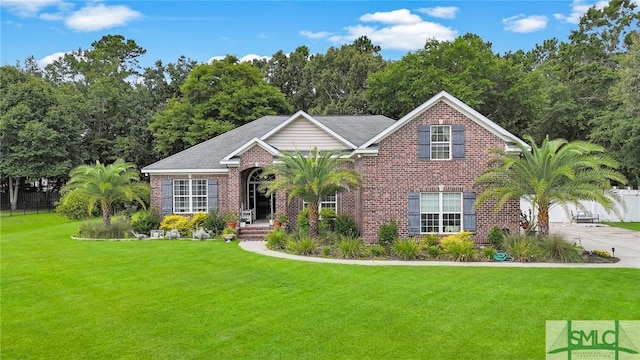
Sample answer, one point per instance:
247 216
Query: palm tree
558 172
108 184
310 178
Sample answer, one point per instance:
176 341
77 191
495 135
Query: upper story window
189 195
440 142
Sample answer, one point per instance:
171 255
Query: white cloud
443 12
50 59
579 8
99 17
401 16
525 24
401 30
28 8
246 58
51 16
315 35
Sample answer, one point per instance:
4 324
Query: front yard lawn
626 225
162 299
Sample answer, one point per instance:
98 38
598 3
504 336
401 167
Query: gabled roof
228 160
207 156
458 105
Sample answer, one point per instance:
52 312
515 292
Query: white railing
629 212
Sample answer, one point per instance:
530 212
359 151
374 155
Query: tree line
99 104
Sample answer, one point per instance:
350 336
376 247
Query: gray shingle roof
208 154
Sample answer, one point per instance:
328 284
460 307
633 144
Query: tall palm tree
108 184
310 178
557 172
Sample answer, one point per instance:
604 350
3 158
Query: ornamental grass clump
556 248
522 248
350 247
118 229
406 249
277 239
305 245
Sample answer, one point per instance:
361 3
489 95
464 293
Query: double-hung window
440 212
440 142
329 201
189 195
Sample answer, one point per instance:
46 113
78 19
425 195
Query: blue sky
202 30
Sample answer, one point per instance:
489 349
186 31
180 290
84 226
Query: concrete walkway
626 242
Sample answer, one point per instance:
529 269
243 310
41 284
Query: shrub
489 253
197 220
350 247
182 223
303 246
118 229
407 249
326 250
459 237
387 233
345 225
277 239
429 240
434 251
459 246
602 253
377 250
214 222
521 248
302 221
146 220
74 206
556 248
495 237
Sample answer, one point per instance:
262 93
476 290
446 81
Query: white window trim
441 213
322 203
190 196
432 143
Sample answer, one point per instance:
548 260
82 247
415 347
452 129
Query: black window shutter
167 196
212 185
424 142
457 135
469 211
414 214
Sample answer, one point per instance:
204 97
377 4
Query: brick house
419 170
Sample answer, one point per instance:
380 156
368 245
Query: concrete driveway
603 237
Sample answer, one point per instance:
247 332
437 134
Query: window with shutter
469 208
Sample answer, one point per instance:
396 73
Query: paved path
626 242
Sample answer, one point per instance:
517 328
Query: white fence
629 212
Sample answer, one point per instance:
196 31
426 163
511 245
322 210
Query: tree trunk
314 231
14 185
106 214
543 219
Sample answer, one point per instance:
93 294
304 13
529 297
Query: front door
256 198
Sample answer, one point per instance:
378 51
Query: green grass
63 298
625 225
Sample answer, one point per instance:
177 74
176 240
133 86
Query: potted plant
281 218
243 222
271 220
228 234
230 218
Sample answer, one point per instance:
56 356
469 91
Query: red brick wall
396 171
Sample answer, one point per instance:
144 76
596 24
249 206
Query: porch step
253 232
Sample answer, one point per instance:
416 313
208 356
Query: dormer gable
302 132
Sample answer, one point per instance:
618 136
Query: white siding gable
302 135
